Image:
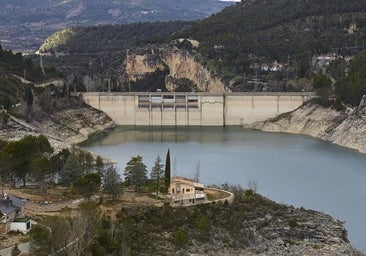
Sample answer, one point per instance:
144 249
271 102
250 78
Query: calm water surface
291 169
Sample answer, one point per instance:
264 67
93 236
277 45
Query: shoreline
346 129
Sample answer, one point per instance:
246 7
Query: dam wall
194 109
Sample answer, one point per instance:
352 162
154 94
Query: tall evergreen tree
71 171
112 183
167 171
157 173
99 166
88 184
135 173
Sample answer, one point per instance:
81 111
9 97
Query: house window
183 190
173 191
188 190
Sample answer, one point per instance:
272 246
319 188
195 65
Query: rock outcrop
181 64
304 232
344 128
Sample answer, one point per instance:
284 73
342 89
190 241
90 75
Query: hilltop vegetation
240 45
251 225
26 24
263 31
110 38
11 89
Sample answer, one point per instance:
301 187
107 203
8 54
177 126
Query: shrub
180 238
293 223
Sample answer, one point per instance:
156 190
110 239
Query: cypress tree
167 171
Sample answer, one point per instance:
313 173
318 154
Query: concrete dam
194 109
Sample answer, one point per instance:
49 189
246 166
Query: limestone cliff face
344 129
181 64
139 63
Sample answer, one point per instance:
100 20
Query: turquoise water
291 169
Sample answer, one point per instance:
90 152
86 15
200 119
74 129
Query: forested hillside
26 24
289 31
261 45
107 38
11 65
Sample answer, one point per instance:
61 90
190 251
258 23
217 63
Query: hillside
110 38
344 128
26 24
249 50
13 66
251 225
243 37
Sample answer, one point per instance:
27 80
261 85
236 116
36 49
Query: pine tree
112 183
99 166
157 173
135 173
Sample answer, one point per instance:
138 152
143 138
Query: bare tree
175 167
253 185
197 171
70 234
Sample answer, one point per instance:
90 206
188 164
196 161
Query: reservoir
291 169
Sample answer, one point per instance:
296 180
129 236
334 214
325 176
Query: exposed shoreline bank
63 129
343 128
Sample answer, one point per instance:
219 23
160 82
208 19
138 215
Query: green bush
293 223
180 238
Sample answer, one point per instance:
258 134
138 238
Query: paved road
24 248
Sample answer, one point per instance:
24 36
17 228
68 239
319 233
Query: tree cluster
28 156
11 90
32 158
352 86
136 174
349 86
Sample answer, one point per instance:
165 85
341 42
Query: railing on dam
194 108
310 94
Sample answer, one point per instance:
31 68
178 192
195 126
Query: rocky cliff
344 128
181 64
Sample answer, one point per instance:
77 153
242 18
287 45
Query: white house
12 216
185 191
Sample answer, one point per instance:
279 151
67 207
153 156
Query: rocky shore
298 232
345 128
63 128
